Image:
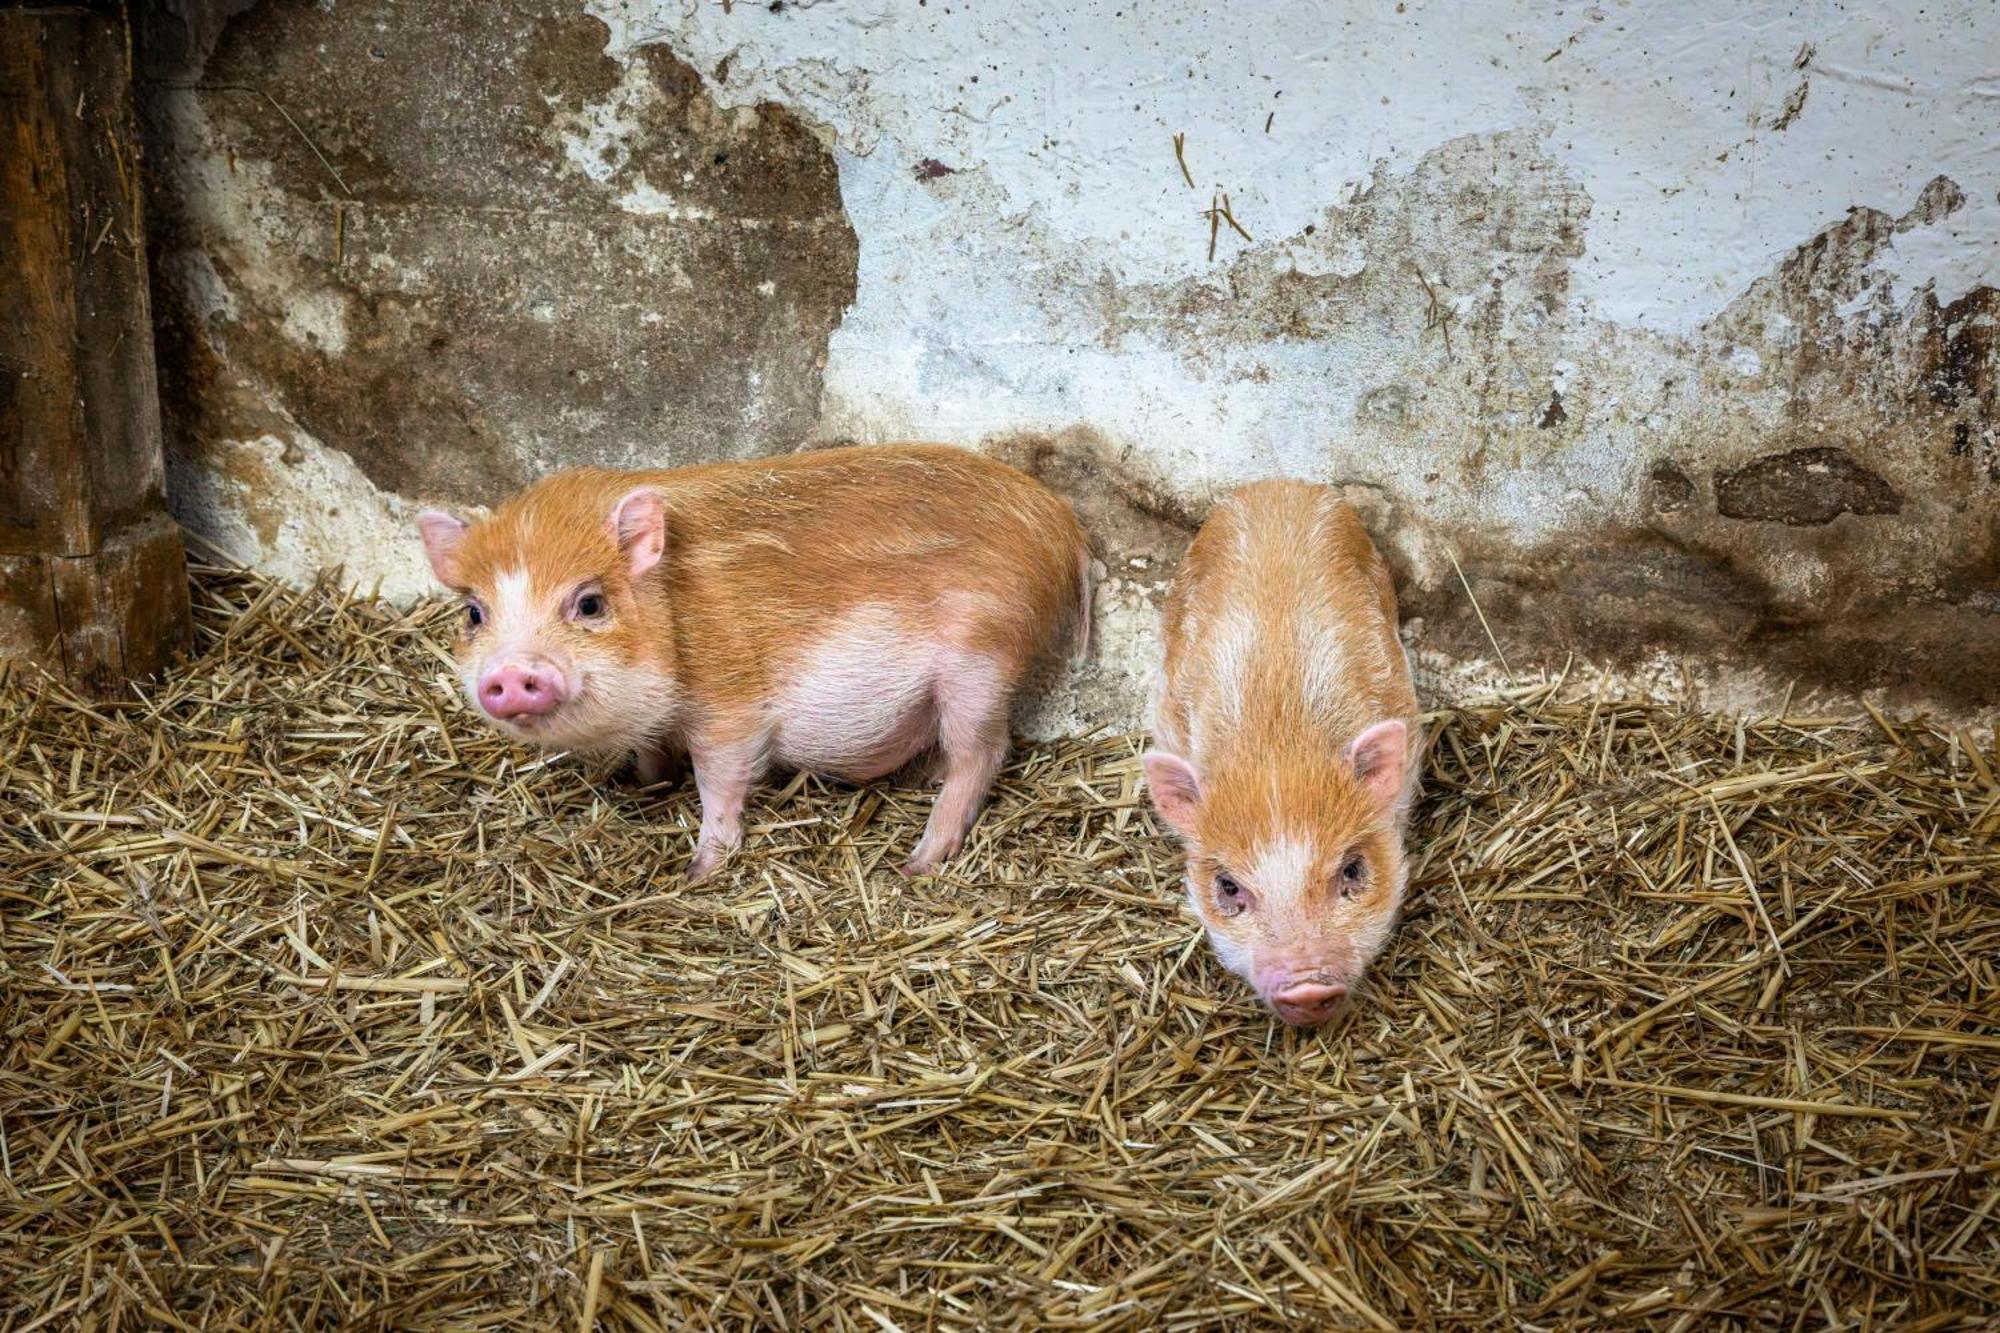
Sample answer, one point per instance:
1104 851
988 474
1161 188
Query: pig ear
1379 755
443 534
1175 789
639 526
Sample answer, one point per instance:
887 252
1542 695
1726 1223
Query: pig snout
520 689
1307 1003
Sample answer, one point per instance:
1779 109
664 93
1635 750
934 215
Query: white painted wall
1061 275
1460 217
978 291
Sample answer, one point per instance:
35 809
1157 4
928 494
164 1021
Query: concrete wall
1672 327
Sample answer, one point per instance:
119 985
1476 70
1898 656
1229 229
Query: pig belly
862 702
864 759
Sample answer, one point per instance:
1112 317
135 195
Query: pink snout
1307 1004
521 690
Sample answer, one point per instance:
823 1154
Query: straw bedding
323 1006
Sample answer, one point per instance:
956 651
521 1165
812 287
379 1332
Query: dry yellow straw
321 1005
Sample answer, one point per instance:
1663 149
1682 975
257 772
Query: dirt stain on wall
461 244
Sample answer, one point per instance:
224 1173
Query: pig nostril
1308 1000
513 693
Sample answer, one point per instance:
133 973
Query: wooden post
93 580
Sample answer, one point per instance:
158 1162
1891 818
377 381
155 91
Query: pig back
765 553
1280 628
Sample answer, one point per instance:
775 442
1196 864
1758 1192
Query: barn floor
318 1005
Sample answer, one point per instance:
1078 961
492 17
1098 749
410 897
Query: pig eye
475 616
590 606
1353 874
1230 899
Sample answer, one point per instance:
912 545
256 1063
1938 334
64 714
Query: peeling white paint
644 199
982 293
1664 112
597 141
1955 253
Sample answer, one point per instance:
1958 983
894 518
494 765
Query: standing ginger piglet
841 611
1286 743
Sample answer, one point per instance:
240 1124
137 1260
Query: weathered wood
93 581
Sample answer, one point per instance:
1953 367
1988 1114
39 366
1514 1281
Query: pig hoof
703 865
925 860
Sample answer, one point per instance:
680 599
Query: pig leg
723 777
657 764
972 703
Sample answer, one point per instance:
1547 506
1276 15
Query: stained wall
1660 334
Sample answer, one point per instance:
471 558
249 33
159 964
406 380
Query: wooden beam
93 580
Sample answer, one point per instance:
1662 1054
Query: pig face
562 639
1295 863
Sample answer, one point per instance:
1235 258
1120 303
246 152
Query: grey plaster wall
390 270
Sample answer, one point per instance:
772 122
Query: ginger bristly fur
840 611
1287 742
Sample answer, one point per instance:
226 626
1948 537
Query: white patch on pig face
609 704
513 602
617 706
1232 953
511 629
1281 869
1370 929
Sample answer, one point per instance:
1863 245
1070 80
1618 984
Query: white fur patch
1368 929
511 628
1232 647
864 689
969 694
1236 957
1281 868
513 606
1371 932
1323 664
618 708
